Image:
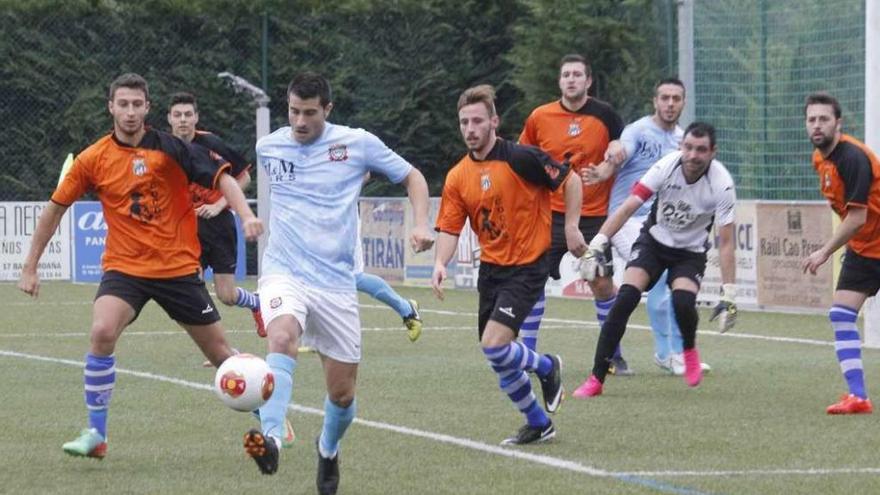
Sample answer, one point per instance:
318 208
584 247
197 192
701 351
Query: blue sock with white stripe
99 378
336 421
510 362
274 411
379 289
528 331
602 309
246 299
849 347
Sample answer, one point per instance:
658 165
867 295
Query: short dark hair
670 80
184 98
484 93
576 57
308 85
823 98
701 129
130 80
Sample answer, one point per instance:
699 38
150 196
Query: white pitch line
550 461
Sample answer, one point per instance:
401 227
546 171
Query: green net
755 62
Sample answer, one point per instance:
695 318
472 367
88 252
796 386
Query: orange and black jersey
239 166
143 189
506 197
849 177
584 133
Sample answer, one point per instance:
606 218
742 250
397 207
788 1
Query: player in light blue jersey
307 285
644 142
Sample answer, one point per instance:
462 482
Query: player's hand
29 283
209 211
421 239
597 262
575 241
812 262
725 311
437 279
252 227
615 153
594 174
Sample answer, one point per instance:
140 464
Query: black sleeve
855 172
537 167
236 160
605 113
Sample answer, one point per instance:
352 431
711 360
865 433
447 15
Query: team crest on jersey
485 183
275 302
338 153
574 128
139 166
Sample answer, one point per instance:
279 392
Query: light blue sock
528 331
667 336
336 421
99 378
379 289
274 411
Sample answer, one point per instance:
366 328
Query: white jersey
683 213
314 189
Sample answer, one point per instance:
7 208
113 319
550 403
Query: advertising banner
420 266
787 233
383 237
746 260
89 236
18 220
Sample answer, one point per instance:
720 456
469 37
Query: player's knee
628 298
103 337
685 305
342 396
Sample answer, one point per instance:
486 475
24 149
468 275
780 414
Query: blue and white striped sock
508 362
99 378
246 299
849 347
602 309
528 332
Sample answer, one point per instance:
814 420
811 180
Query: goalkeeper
692 190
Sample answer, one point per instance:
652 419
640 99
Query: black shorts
507 293
219 240
185 299
558 247
654 258
859 273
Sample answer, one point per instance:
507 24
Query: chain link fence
755 62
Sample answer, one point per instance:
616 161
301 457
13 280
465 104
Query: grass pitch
430 415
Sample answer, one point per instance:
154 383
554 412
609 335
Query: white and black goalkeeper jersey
683 213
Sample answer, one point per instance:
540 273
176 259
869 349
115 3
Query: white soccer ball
244 382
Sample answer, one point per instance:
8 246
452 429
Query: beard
822 142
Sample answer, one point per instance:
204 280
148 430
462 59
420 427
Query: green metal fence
755 61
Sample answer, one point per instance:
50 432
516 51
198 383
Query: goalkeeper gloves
597 262
725 311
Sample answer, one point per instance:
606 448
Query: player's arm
214 209
615 157
725 311
856 216
50 217
444 250
573 195
250 224
417 190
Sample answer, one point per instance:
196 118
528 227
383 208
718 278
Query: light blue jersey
314 189
645 143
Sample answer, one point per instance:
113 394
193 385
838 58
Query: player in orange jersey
141 177
849 177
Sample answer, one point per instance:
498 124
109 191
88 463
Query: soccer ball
244 382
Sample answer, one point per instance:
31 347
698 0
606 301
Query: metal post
261 99
872 136
686 59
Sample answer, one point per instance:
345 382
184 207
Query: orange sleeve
77 181
453 212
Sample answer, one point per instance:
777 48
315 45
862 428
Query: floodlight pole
686 59
261 99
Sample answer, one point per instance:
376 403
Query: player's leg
859 278
635 280
531 326
334 331
506 295
377 288
117 303
663 324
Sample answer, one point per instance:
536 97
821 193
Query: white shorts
622 244
330 320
